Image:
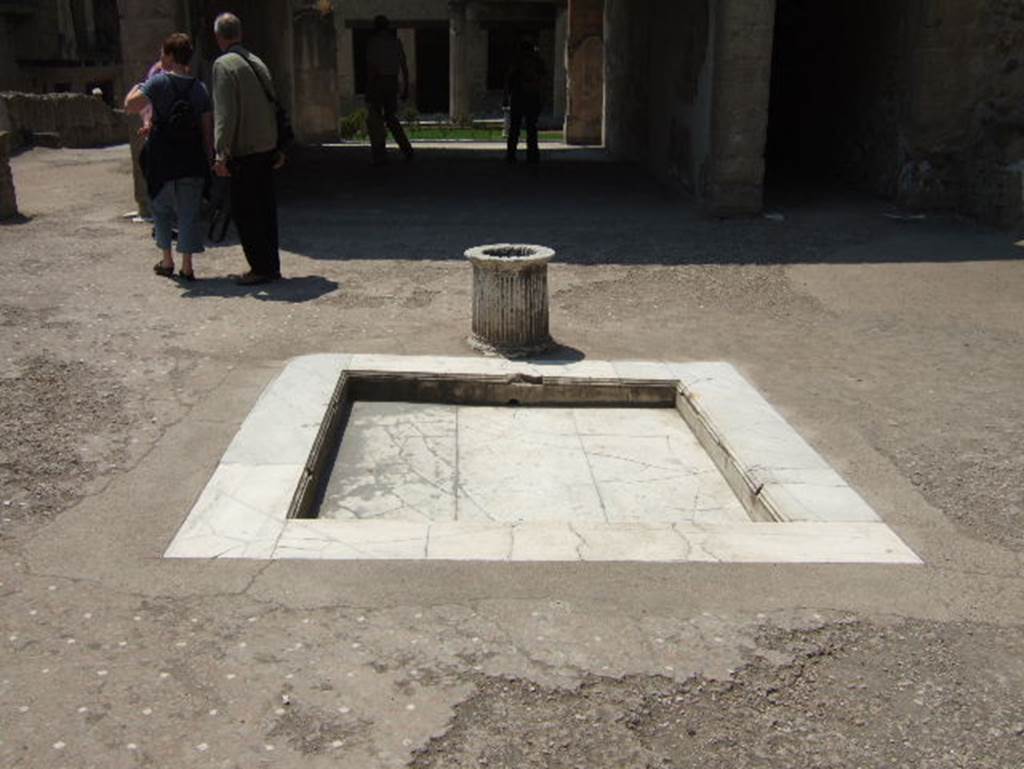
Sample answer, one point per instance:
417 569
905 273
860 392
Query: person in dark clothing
385 62
524 87
178 151
245 140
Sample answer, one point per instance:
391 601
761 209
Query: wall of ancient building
687 94
993 143
679 73
627 34
10 73
921 102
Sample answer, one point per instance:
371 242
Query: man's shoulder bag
285 134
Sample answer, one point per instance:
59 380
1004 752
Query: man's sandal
164 272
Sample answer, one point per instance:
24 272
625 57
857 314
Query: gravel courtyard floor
895 347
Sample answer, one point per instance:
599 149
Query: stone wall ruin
61 119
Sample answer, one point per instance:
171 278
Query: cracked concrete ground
894 348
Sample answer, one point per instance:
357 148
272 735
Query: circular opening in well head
510 251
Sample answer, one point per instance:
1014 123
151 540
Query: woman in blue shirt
178 152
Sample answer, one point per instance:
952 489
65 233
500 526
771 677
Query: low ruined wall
76 120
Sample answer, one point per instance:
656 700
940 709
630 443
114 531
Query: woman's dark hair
179 47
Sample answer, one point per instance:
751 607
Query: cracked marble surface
594 541
533 484
403 461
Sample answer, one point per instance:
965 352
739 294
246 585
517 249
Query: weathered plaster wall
627 51
144 26
993 143
315 74
48 33
919 102
733 180
584 119
10 74
687 95
679 73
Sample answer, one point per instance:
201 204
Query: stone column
558 76
585 68
144 26
89 17
458 76
741 85
314 67
407 36
346 67
8 199
475 59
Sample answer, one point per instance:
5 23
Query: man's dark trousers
254 207
381 117
524 109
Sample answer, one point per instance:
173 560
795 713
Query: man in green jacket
245 142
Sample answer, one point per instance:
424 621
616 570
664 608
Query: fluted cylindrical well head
510 298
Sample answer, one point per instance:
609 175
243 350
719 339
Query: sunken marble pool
391 457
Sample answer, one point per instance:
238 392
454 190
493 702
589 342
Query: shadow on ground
335 206
295 290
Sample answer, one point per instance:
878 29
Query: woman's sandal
187 276
164 272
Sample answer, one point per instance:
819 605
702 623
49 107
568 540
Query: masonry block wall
76 119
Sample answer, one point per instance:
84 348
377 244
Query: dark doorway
432 69
832 116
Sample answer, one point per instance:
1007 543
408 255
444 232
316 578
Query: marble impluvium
718 477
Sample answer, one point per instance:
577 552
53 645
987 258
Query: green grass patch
353 127
475 134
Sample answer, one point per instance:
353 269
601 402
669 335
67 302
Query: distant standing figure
178 152
385 61
524 87
245 137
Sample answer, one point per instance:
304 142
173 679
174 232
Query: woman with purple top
178 152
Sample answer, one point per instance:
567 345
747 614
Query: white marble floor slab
396 461
426 462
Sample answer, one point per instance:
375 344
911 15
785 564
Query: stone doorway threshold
377 457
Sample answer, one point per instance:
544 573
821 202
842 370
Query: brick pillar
585 72
458 76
